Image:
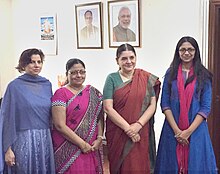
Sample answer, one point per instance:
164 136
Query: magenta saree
83 111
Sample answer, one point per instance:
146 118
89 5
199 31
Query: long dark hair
200 71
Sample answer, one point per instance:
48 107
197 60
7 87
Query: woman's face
187 53
35 66
76 75
127 61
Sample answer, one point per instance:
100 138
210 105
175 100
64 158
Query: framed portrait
124 22
48 33
89 25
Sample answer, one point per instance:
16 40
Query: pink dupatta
185 97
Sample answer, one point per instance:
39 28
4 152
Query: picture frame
48 25
89 26
48 33
124 22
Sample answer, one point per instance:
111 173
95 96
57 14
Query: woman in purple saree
78 121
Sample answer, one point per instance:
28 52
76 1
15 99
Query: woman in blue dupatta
185 146
78 124
26 115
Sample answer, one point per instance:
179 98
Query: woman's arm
59 121
136 127
185 134
169 117
101 126
149 111
98 141
166 104
114 116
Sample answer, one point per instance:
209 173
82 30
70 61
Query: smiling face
187 53
35 66
76 75
127 61
124 17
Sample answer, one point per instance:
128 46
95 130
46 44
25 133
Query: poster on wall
48 34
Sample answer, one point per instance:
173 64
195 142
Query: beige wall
163 22
7 60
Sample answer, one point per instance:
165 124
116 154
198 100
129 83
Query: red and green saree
130 100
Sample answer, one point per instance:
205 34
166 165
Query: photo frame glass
48 33
124 22
48 25
89 25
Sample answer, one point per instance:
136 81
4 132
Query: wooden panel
214 67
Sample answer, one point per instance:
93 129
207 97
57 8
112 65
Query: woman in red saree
130 97
78 124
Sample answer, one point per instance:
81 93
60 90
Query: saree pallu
83 111
130 100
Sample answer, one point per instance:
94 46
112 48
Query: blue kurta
201 155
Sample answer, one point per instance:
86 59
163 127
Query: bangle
138 122
99 136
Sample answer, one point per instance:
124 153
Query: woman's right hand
136 138
10 157
86 148
133 129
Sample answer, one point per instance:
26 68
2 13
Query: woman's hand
86 147
96 144
136 138
182 137
10 157
133 129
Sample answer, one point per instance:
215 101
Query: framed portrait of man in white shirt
89 25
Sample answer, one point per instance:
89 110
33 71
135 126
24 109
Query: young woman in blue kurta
185 146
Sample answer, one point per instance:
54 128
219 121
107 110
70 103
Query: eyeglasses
190 50
81 72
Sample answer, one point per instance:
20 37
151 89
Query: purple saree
83 111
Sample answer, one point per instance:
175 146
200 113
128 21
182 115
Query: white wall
163 22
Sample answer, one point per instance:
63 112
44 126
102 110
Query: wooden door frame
213 43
